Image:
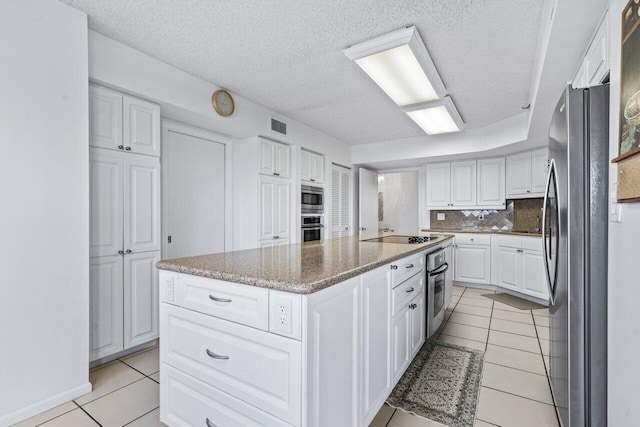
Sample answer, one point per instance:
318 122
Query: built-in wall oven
312 199
312 228
436 283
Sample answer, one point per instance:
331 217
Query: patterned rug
442 384
513 301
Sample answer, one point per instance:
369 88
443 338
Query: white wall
400 195
44 208
624 259
186 98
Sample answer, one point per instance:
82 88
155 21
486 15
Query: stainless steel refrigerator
575 254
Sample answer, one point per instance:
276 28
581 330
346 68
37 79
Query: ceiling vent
278 126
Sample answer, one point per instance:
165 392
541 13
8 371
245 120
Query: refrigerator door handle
545 239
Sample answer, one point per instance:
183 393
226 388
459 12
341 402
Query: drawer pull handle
212 298
408 266
216 356
394 267
409 290
210 424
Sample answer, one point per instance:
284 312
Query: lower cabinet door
417 312
140 298
105 306
400 344
507 267
376 316
533 281
186 401
473 263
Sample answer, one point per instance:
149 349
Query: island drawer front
187 402
406 291
473 239
248 305
257 367
404 268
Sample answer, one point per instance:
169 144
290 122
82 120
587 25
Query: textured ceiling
287 54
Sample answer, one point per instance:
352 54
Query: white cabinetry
332 361
518 265
466 184
595 65
275 158
526 174
311 167
274 208
472 258
124 223
124 123
491 182
262 194
340 201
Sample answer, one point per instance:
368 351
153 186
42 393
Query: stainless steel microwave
312 200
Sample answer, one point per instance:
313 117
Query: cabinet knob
128 251
394 267
128 148
276 174
276 237
312 180
520 250
120 147
120 252
528 191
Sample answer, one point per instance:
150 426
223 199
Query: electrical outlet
440 217
282 316
169 293
481 217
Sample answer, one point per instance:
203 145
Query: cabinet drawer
532 243
256 367
406 291
473 239
404 268
188 402
244 304
508 241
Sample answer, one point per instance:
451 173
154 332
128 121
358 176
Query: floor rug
513 301
442 384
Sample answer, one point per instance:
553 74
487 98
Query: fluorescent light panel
399 63
436 117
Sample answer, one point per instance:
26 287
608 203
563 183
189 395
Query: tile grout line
546 369
391 417
517 395
147 413
89 415
516 369
111 392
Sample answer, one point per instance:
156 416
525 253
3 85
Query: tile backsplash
519 215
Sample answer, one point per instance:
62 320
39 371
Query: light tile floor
515 385
515 389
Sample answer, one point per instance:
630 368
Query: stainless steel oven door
310 234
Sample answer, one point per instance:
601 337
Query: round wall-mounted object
223 103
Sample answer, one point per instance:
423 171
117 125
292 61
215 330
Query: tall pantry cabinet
124 164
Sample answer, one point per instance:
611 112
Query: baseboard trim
44 405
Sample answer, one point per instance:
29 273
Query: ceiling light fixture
399 63
434 117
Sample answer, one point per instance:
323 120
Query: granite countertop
481 231
300 268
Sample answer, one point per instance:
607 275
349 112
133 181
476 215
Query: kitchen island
312 334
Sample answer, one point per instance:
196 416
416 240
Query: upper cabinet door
463 183
106 171
305 165
438 185
141 126
266 208
266 157
317 168
282 215
491 182
539 169
105 118
596 61
519 175
141 204
282 160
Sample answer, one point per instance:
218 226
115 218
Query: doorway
194 191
